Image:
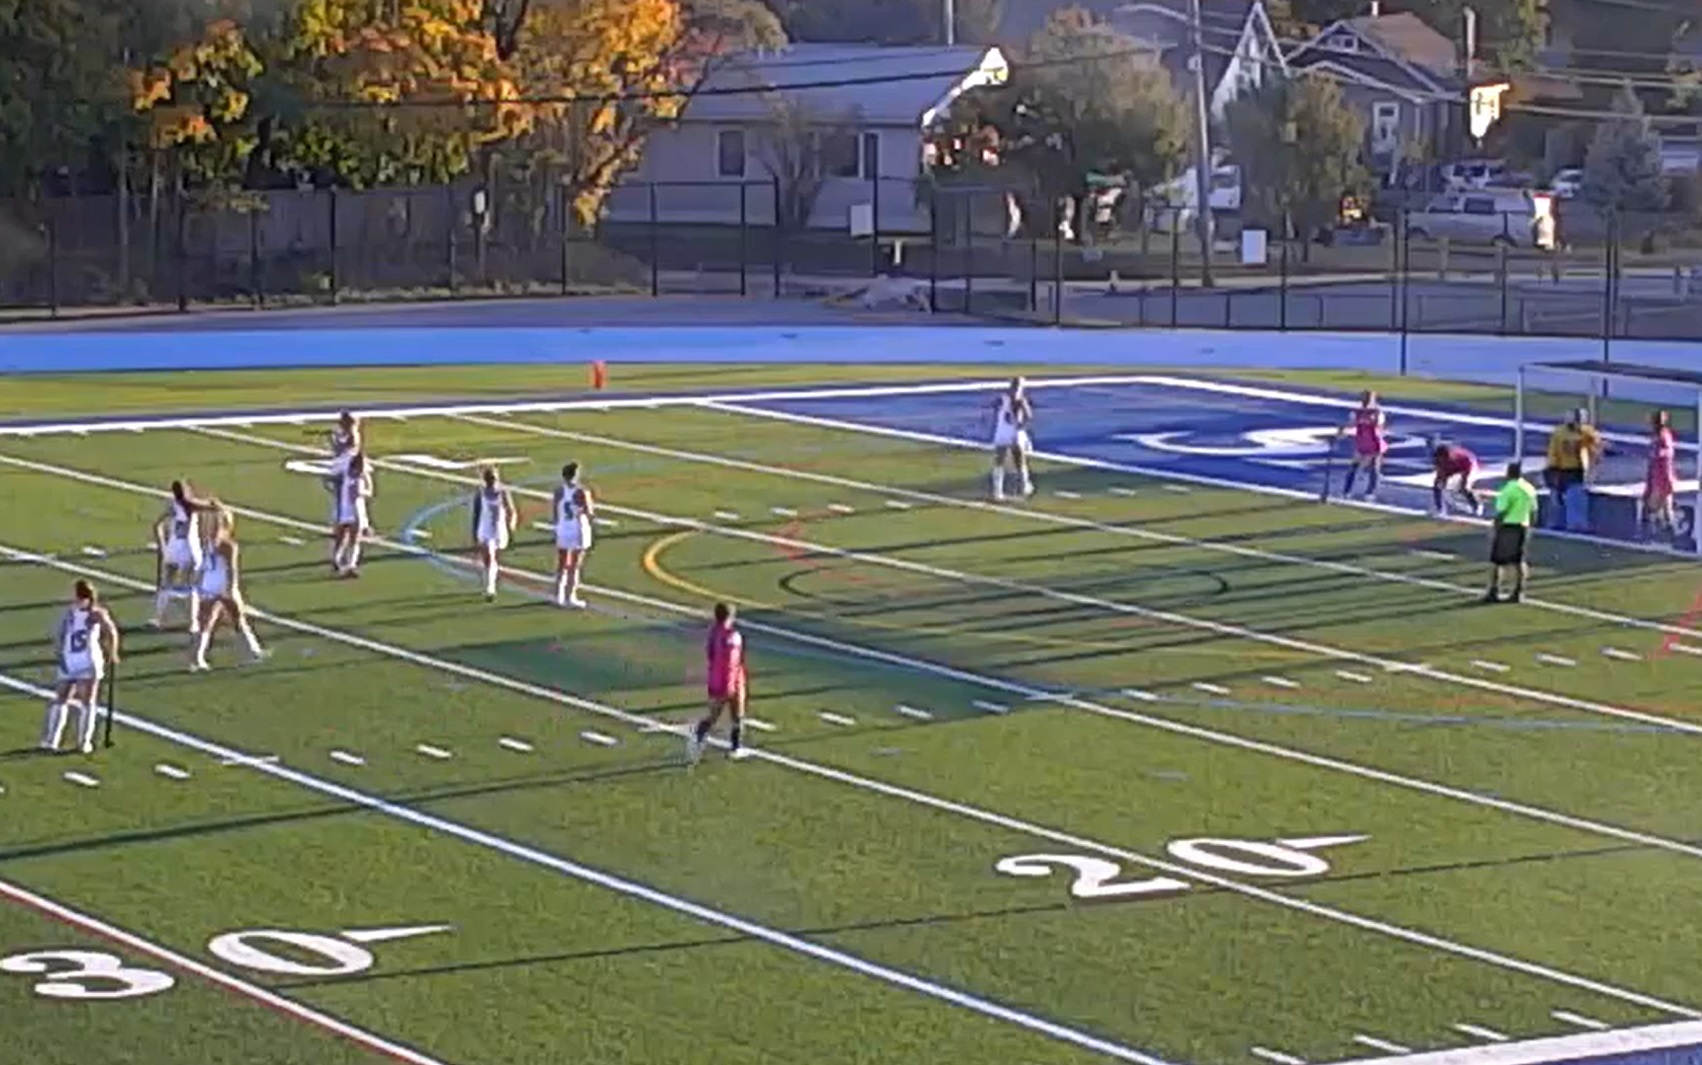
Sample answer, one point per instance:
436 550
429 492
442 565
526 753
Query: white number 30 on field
1096 878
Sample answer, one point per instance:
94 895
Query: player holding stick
85 642
1457 464
1370 444
1662 476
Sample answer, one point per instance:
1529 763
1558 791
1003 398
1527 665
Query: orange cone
599 375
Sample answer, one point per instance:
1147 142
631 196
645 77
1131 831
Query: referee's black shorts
1507 547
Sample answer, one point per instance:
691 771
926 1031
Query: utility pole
948 15
1202 146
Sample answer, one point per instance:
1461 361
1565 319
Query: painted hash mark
990 707
1210 689
1621 654
1280 682
512 744
915 713
1357 678
783 512
837 719
601 739
82 780
898 504
1061 494
1686 649
1578 1020
346 758
727 515
841 508
760 725
92 551
1440 556
172 772
1381 1044
1276 1055
1481 1032
1119 490
438 753
1493 667
292 541
1556 660
1143 696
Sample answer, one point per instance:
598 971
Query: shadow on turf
406 799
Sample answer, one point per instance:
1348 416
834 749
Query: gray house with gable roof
871 107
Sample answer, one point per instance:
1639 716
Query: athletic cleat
575 603
739 754
199 667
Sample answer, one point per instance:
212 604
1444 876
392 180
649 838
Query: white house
868 108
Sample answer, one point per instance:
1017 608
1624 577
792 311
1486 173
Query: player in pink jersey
1369 444
1453 463
724 654
1660 481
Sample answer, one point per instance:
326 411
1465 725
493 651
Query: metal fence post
874 206
1610 256
52 233
655 245
744 239
182 250
969 256
453 220
336 272
256 289
1175 267
1403 245
1501 277
1282 278
1057 265
564 205
1033 271
1397 282
779 242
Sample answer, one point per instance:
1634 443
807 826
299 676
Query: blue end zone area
1249 436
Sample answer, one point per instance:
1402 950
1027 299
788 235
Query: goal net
1620 400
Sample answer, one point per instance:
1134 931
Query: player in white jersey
1012 415
573 511
345 442
348 516
177 536
85 641
221 593
494 521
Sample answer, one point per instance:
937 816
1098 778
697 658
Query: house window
871 155
730 153
839 155
1385 126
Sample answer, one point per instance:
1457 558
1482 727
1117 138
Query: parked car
1567 183
1473 174
1512 217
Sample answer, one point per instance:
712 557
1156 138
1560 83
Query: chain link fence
975 250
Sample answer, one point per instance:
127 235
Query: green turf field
1191 777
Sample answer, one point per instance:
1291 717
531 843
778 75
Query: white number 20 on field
92 976
1097 878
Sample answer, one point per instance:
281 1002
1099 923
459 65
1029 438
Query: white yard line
1644 1043
94 926
903 794
1381 1044
1309 647
633 889
991 683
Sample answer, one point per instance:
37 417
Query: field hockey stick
1329 467
111 700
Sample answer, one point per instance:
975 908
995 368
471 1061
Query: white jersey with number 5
183 537
492 504
80 653
573 524
1011 426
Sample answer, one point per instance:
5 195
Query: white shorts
343 514
81 671
573 536
494 538
215 588
181 554
1011 436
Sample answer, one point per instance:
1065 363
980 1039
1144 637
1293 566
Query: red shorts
731 691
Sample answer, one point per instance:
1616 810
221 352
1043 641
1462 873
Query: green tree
1080 104
58 89
1299 146
1622 169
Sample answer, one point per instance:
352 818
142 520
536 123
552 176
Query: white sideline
254 993
587 874
952 673
919 798
1063 520
1558 1050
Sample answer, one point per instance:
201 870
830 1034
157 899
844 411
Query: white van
1513 217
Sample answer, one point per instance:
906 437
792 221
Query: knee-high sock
53 725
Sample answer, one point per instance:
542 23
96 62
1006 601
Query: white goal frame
1595 379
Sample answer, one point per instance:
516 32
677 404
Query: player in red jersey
1661 480
724 652
1453 463
1370 444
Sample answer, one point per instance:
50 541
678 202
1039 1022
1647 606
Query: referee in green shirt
1515 507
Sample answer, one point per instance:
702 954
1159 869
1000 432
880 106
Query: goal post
1619 399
